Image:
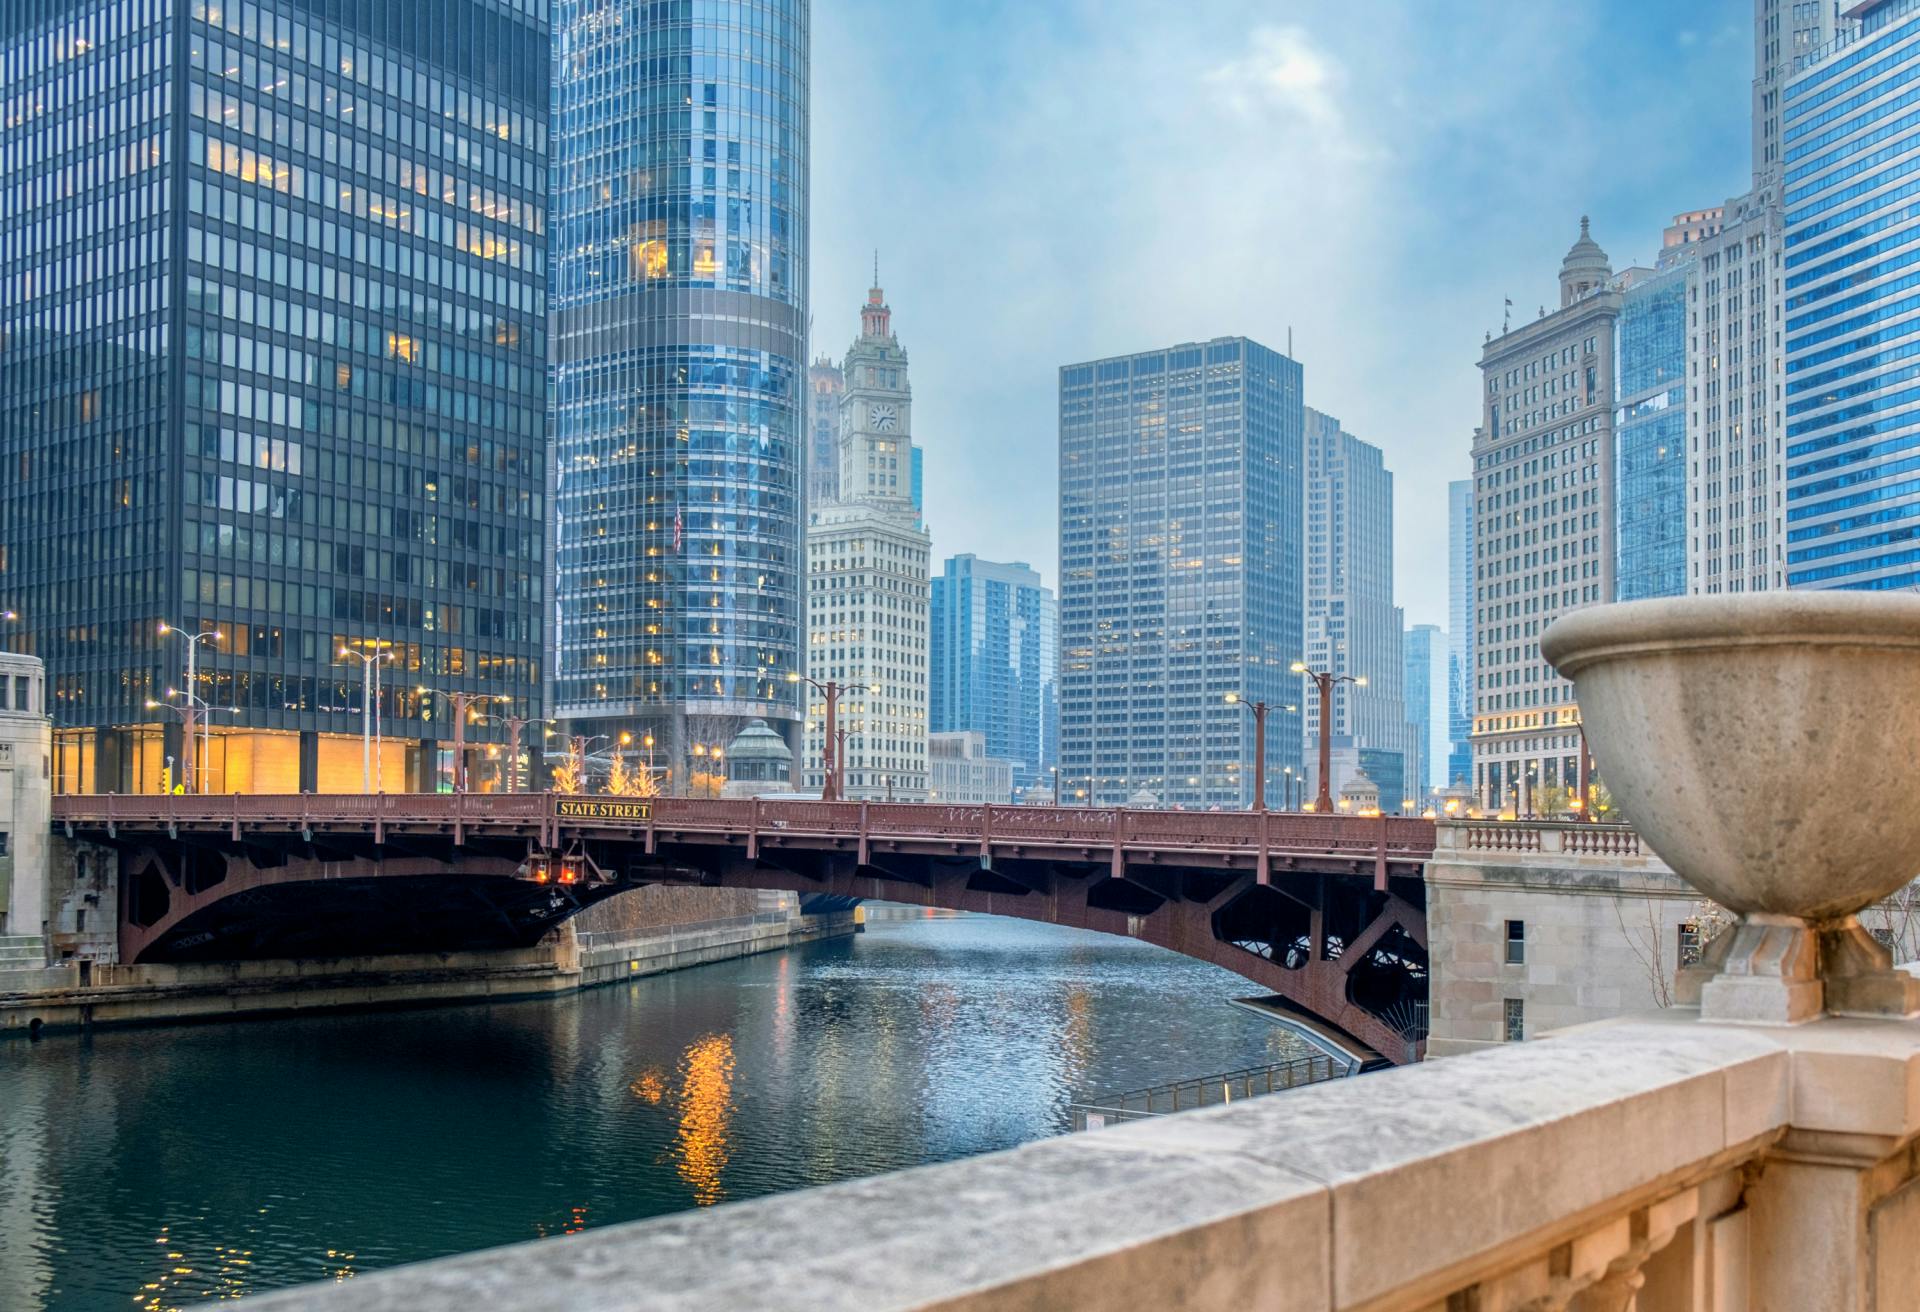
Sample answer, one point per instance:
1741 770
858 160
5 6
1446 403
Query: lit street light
370 763
831 690
461 702
1259 710
1325 680
189 713
516 723
193 641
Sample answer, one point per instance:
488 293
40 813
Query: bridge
1325 911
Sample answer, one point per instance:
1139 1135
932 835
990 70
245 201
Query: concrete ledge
1395 1190
156 994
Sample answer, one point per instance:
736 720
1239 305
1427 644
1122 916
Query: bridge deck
1325 910
1222 838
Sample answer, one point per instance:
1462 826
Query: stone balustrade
1665 1164
1482 838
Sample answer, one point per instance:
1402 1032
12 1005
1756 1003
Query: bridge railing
1090 827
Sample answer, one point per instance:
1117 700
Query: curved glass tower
679 296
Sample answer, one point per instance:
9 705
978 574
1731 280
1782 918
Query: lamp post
1325 680
188 715
370 762
460 701
1286 788
1259 710
193 641
516 723
831 690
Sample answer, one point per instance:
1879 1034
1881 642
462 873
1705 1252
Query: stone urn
1767 746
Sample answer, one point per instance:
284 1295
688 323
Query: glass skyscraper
995 655
1849 132
272 337
1460 630
1650 436
1181 526
1426 693
679 369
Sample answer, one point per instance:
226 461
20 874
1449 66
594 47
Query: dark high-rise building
679 368
1181 525
272 307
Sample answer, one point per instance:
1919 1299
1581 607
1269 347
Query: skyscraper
995 658
1543 462
868 561
679 368
825 386
1460 630
1650 439
1181 515
1853 501
1352 625
1427 659
1736 420
272 367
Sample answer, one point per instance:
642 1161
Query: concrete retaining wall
121 995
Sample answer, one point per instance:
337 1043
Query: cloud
1283 73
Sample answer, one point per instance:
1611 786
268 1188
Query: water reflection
706 1104
168 1167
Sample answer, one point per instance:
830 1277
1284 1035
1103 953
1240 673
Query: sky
1051 181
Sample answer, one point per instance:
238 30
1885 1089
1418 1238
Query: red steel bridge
1326 911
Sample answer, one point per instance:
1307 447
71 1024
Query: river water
160 1168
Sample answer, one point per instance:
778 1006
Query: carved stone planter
1768 748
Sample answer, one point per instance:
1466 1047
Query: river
159 1168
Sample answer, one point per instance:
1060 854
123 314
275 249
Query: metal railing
1206 1091
1109 829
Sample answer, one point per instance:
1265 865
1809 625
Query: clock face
883 418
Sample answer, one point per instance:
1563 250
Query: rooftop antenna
1290 342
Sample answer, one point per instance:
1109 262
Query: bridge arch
1328 916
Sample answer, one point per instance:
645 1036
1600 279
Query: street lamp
193 641
1259 710
831 690
1325 680
460 701
516 723
1286 789
188 715
370 762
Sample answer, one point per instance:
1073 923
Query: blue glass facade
1426 693
1853 313
1650 437
994 659
1182 490
273 287
679 372
1460 631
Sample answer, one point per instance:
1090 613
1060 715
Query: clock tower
876 442
868 585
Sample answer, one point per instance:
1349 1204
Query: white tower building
868 589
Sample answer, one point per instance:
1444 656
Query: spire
1586 268
875 317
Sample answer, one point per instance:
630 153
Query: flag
677 528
